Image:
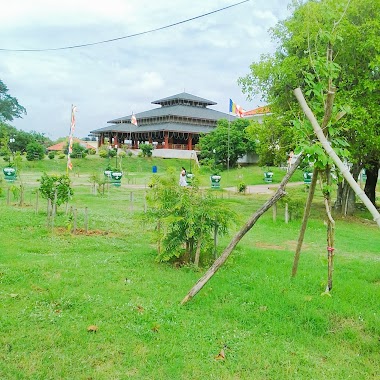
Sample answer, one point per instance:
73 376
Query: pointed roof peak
184 97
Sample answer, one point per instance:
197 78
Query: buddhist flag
71 135
235 109
69 163
133 119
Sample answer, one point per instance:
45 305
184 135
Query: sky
204 57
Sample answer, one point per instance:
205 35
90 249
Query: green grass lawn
54 284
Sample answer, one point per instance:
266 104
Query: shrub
146 149
51 155
242 187
35 151
103 153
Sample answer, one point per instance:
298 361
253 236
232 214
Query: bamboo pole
337 161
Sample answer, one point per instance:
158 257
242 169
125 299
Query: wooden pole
86 219
305 218
236 239
286 213
337 161
75 221
275 212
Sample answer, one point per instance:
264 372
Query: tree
146 149
56 188
9 106
35 151
228 142
187 220
274 142
78 150
351 27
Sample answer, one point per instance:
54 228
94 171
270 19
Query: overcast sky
204 57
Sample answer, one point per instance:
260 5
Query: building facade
176 124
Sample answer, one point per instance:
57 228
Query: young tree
187 219
57 188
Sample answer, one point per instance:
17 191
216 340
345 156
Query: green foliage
296 199
56 185
103 153
51 154
242 187
185 218
78 151
9 106
106 152
228 142
91 151
300 61
35 151
146 149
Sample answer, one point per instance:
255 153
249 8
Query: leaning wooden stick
337 161
305 218
253 219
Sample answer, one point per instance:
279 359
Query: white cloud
205 56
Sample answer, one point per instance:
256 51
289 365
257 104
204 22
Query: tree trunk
198 252
347 194
305 218
236 239
371 182
330 233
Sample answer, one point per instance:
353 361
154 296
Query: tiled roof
177 110
257 111
182 112
171 127
62 145
185 96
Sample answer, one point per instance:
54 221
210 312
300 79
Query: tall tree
9 106
227 143
298 62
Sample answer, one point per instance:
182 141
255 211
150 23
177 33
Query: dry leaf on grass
221 355
92 328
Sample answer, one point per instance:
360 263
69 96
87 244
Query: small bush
51 155
103 153
242 187
146 149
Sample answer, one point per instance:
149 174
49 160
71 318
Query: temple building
176 124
